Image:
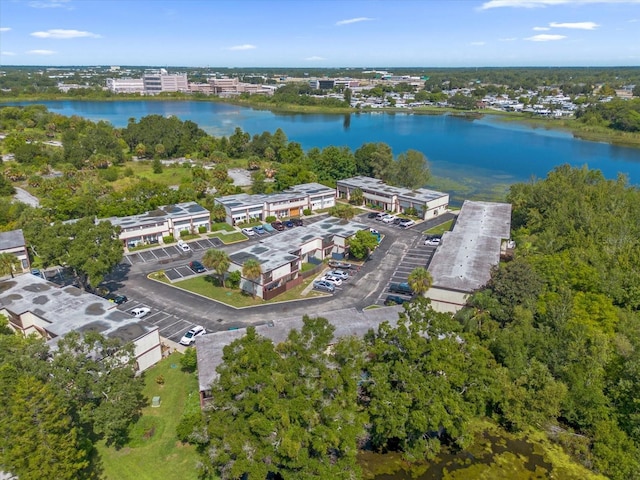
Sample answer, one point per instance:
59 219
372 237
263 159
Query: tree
356 197
411 170
252 270
218 260
39 438
6 189
347 95
258 184
346 212
90 250
8 263
420 280
362 243
156 165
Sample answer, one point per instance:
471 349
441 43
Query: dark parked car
277 225
395 300
398 220
289 224
401 288
372 215
297 222
117 299
197 267
339 265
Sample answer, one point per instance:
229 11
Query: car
268 228
339 265
184 246
395 300
341 274
398 221
289 224
248 232
37 272
190 337
382 215
331 279
297 222
117 299
432 242
197 267
278 225
401 288
324 286
259 230
389 219
372 214
407 223
140 312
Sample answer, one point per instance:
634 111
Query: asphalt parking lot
172 252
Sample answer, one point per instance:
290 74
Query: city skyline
325 34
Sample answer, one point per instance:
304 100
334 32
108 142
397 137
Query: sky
326 33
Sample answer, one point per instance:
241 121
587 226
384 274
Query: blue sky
329 33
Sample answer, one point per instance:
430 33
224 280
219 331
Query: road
175 310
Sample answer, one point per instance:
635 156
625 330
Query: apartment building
427 203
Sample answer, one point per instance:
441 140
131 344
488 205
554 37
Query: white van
184 246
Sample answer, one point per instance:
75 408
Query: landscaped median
208 286
228 238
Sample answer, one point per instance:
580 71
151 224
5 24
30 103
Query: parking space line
174 323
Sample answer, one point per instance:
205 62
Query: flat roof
159 215
11 239
464 259
347 322
67 309
378 186
275 251
297 192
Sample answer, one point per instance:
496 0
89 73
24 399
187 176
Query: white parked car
184 246
341 274
140 312
248 232
407 223
331 279
432 242
389 219
190 337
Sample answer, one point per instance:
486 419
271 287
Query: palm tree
218 260
8 263
251 270
420 280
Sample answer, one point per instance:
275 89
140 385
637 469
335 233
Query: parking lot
170 326
172 252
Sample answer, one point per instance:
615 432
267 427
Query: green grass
153 446
228 238
440 229
216 227
206 286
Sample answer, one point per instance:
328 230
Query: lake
471 158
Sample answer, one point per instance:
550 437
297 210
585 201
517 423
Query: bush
202 229
306 211
160 380
168 239
128 172
157 166
184 233
270 219
109 175
189 360
233 279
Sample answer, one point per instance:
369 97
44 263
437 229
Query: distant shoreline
577 129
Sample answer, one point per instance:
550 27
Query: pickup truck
401 288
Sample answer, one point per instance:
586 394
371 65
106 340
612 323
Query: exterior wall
443 300
252 287
133 236
280 272
148 350
125 85
286 208
320 202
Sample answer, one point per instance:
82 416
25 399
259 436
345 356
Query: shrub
168 239
109 174
157 166
270 219
233 279
128 172
202 229
160 380
189 360
306 211
184 233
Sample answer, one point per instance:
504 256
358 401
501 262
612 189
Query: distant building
36 306
150 227
322 84
161 81
13 243
288 203
462 263
427 203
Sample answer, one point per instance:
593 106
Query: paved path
25 197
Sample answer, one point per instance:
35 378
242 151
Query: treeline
618 114
78 178
551 344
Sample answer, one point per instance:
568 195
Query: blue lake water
485 155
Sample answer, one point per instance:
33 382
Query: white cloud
545 37
575 25
508 39
541 29
353 20
49 3
544 3
315 58
4 29
7 54
64 34
477 44
41 52
246 46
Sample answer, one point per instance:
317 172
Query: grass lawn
440 229
171 175
205 286
228 238
153 446
216 227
